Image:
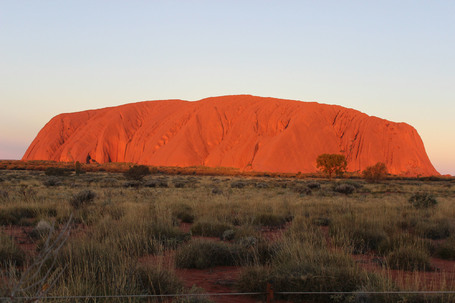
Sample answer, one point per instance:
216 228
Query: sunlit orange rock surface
245 132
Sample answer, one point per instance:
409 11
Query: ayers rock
245 132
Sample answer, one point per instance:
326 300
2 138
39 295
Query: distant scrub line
118 167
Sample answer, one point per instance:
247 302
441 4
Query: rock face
245 132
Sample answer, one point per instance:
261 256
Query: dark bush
262 185
344 188
132 184
137 172
184 213
270 220
228 235
52 181
409 258
204 254
357 185
362 236
4 195
14 215
6 218
158 281
314 185
446 250
366 238
321 221
329 273
57 171
302 190
238 184
394 242
217 191
210 229
423 200
180 184
156 183
435 230
82 198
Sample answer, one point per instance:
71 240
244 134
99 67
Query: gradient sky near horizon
391 59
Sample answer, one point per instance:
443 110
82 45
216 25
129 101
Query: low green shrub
262 185
238 184
302 190
156 183
269 220
314 185
254 279
4 195
204 254
308 270
423 200
158 281
344 188
82 198
362 236
132 184
434 229
446 250
184 213
321 221
95 268
409 258
143 237
210 228
16 214
217 191
52 181
395 241
10 254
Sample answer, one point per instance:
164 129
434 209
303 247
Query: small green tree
375 172
332 163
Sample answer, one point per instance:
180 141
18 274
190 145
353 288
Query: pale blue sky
392 59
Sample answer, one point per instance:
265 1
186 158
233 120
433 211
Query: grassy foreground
299 234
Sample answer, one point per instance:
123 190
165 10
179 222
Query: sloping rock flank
245 132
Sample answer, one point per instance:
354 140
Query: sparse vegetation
423 200
82 198
139 240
